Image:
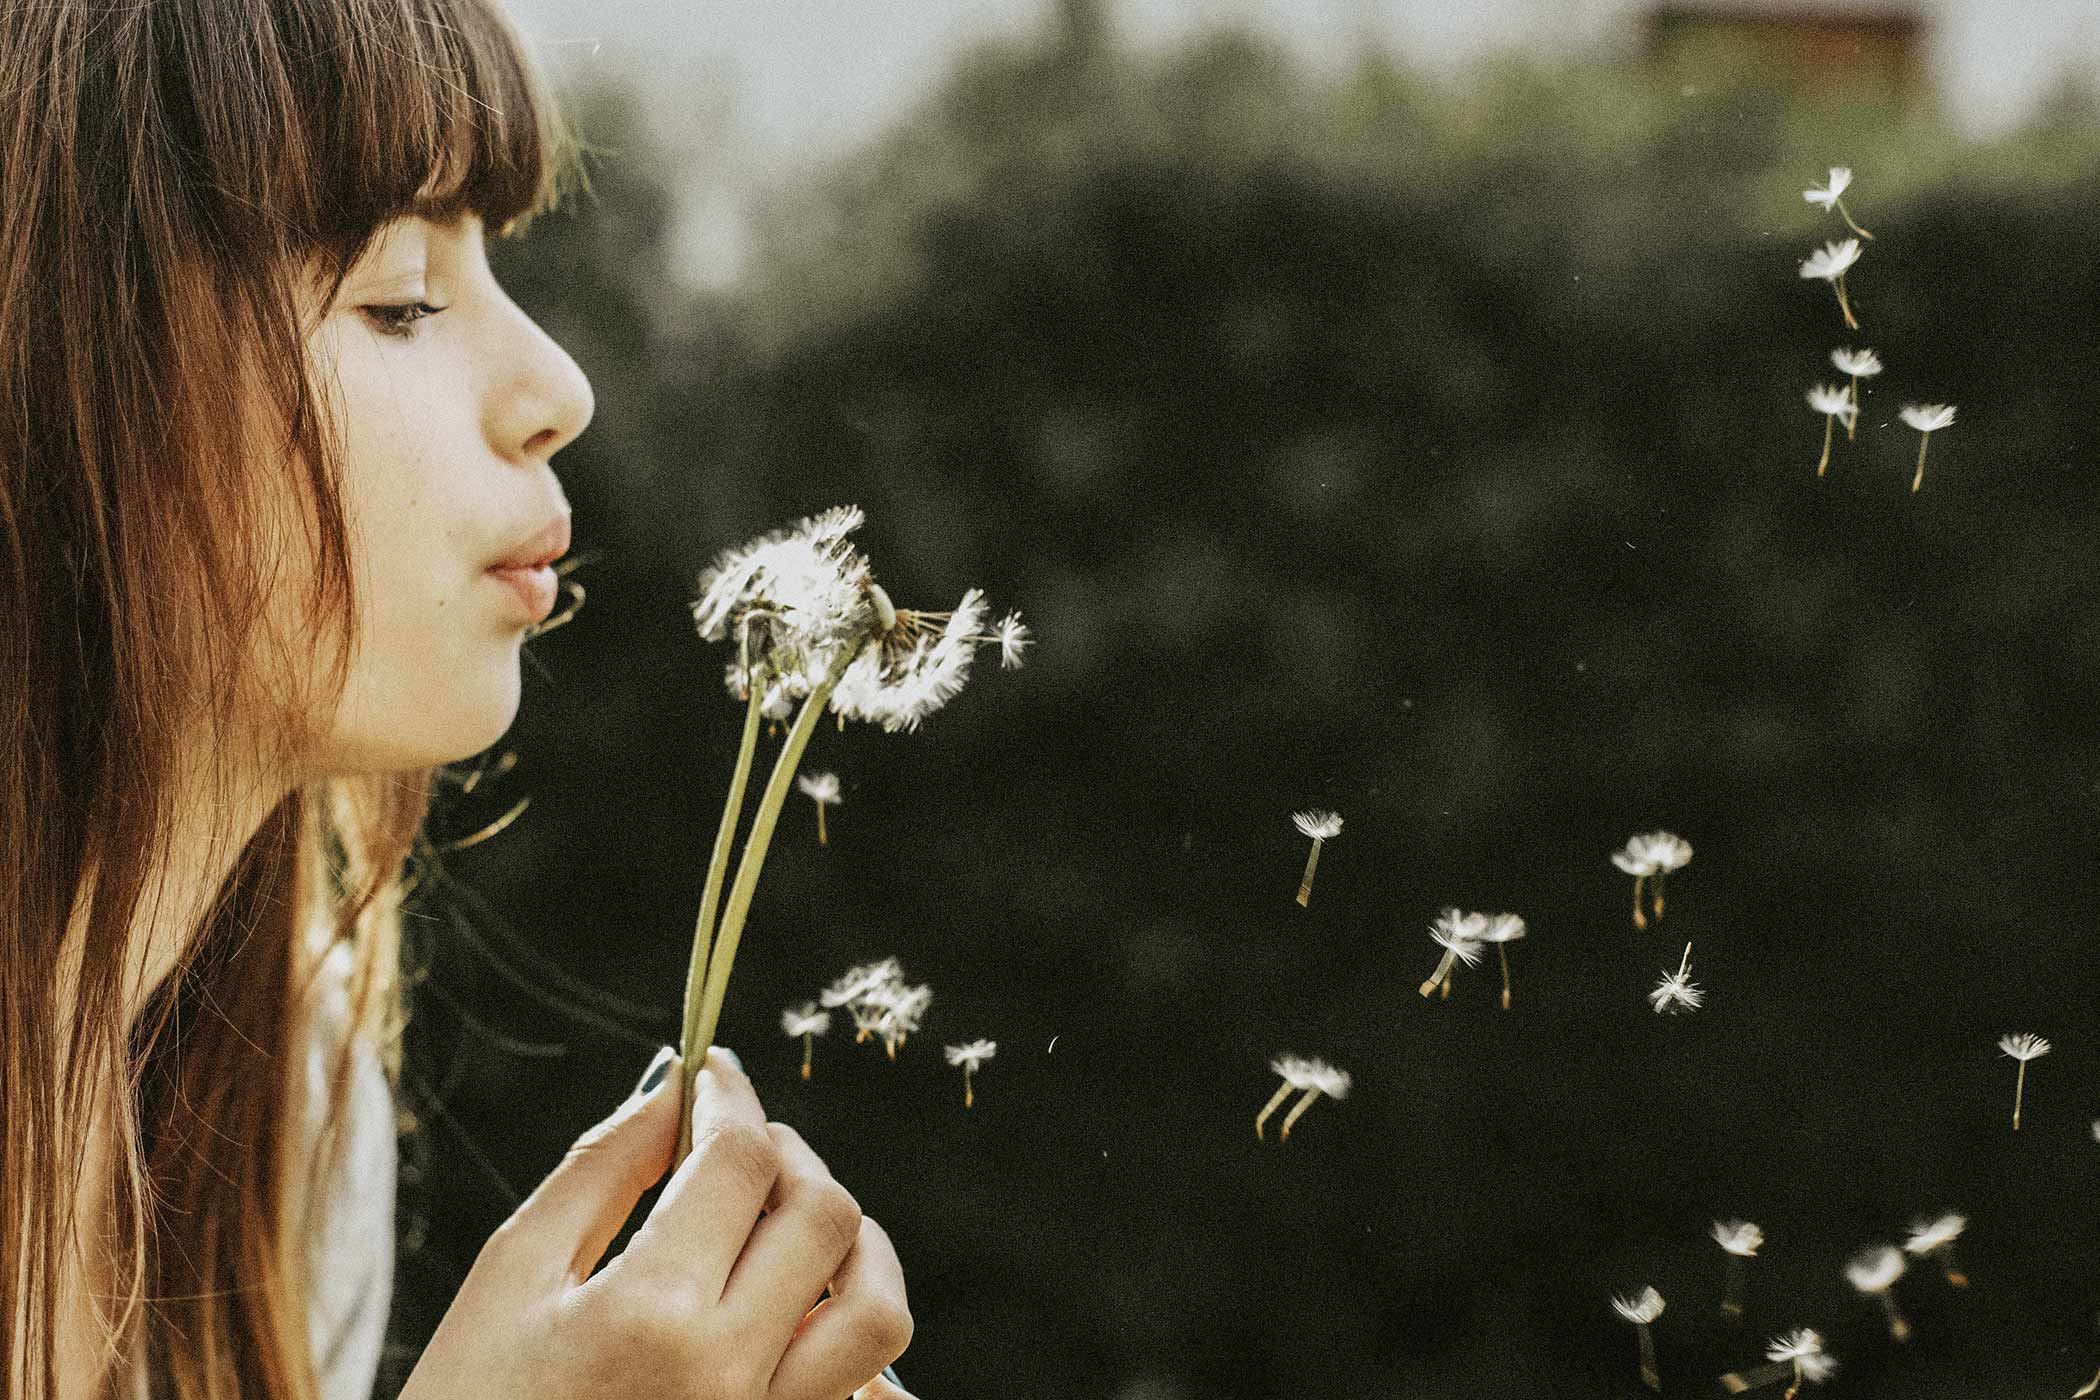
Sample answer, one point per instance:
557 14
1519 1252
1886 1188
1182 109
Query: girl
276 501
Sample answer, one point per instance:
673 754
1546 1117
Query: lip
534 588
545 546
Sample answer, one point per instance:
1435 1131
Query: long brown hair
183 179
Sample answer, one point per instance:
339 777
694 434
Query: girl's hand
716 1297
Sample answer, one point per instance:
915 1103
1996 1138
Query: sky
792 81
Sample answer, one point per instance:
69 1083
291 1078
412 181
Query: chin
428 727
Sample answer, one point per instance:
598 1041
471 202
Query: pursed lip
542 548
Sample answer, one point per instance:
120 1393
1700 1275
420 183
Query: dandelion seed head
1928 417
805 1019
1503 928
1827 196
1816 1366
1332 1082
970 1055
1318 824
1862 363
1641 1309
1797 1345
1295 1069
790 597
1668 850
1834 401
1928 1235
1875 1270
820 787
1460 934
1633 860
860 980
2023 1046
1014 639
1675 992
1831 261
1738 1237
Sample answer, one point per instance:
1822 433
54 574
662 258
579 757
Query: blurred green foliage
1434 451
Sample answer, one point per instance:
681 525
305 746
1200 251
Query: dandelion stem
1824 461
1312 863
723 955
1954 1273
969 1094
1659 893
1502 952
809 1045
1732 1296
1844 302
1919 479
1283 1134
1650 1373
1640 920
1848 221
1283 1091
2019 1088
692 1049
1898 1328
1443 970
820 823
1852 423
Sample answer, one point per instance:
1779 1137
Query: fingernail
889 1373
735 1062
658 1068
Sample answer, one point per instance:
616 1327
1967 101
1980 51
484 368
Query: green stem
691 1050
723 954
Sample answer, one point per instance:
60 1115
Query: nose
546 401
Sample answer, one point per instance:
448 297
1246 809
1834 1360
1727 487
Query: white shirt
351 1254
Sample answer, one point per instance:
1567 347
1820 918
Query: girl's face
448 420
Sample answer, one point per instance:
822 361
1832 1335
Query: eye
399 320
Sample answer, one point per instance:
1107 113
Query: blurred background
1378 407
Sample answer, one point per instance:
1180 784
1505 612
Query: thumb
576 1211
884 1387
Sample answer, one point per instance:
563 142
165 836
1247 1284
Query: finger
699 1224
862 1327
812 1223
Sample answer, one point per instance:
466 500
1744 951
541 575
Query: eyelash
399 320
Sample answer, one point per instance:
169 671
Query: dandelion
808 1022
810 625
1799 1353
898 1009
1936 1238
1927 418
1860 364
1315 1077
1460 936
1833 404
822 789
1502 930
2023 1048
1741 1240
1640 1311
1830 263
1677 991
970 1056
860 980
1320 826
1651 854
1875 1271
1830 196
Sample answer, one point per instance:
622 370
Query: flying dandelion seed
2023 1048
809 624
970 1056
1460 936
1936 1238
808 1022
1927 418
1859 364
1651 855
1642 1310
1314 1077
822 789
1830 263
1502 930
858 981
1833 404
1831 196
1741 1240
900 1009
1798 1353
1677 991
1320 826
1875 1271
